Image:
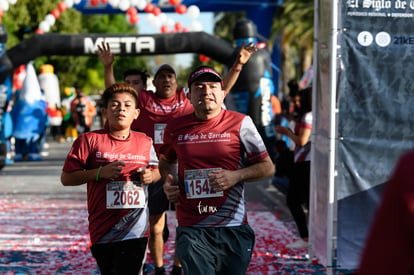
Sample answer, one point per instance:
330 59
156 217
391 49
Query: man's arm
107 60
231 77
168 173
224 179
257 171
167 167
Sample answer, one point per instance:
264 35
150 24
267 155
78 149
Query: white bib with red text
197 184
124 194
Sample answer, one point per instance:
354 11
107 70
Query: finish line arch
122 45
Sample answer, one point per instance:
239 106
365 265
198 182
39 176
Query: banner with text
375 119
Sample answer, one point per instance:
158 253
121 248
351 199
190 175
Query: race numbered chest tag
159 133
197 184
124 195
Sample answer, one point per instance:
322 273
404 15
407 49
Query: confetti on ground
48 234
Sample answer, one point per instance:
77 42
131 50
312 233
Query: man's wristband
97 173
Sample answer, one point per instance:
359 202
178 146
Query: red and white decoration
156 17
4 6
51 17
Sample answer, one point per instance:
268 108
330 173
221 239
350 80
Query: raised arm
107 59
244 54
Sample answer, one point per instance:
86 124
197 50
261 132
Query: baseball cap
204 71
164 67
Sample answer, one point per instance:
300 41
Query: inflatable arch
122 45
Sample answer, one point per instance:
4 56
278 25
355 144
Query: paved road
38 176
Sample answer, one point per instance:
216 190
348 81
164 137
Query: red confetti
48 234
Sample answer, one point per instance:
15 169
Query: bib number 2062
121 195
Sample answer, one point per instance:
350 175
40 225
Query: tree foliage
294 27
23 18
292 33
225 23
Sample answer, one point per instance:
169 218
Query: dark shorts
125 257
157 200
215 250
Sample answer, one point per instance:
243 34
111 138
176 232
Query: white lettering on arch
130 44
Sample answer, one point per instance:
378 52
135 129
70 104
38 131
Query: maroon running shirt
98 148
156 111
228 141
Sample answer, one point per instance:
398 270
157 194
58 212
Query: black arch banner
122 45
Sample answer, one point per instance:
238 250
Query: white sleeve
250 137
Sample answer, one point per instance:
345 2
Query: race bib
197 184
124 195
159 133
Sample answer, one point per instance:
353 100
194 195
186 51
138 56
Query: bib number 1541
197 184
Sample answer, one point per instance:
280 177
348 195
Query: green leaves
23 18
